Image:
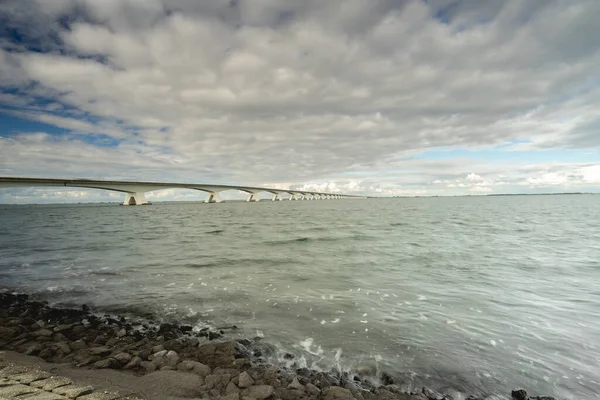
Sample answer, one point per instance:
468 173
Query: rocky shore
217 366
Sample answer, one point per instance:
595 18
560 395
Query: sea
467 295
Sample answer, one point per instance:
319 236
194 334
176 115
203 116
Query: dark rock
432 394
78 345
337 393
288 356
324 380
260 392
519 394
46 354
145 354
99 351
185 328
107 363
213 335
7 334
386 379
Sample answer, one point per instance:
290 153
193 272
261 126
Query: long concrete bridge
135 192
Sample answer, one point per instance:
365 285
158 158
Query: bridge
135 192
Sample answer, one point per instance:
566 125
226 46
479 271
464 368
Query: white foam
450 321
323 322
422 298
493 342
335 321
364 322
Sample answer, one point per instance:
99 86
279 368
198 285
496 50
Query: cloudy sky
390 97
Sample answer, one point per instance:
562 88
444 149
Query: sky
376 97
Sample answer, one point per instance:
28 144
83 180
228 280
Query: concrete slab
73 391
17 390
51 383
32 376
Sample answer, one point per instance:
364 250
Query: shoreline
222 367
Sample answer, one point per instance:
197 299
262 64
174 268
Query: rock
62 347
63 328
296 385
34 349
195 367
312 389
354 389
145 354
121 332
158 354
148 366
78 345
46 354
386 379
99 351
231 396
107 363
231 387
134 363
167 368
259 392
158 348
123 358
7 334
383 394
245 380
270 375
519 394
324 380
43 333
171 359
337 393
432 394
241 363
217 382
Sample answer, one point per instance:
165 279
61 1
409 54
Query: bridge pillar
135 199
213 197
276 197
253 197
292 197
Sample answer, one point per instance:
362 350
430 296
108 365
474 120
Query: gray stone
158 348
52 383
7 382
62 347
296 385
259 392
245 380
78 345
312 389
34 349
73 391
123 358
99 351
171 358
194 366
217 381
107 363
148 366
63 328
432 394
7 334
135 362
337 393
231 387
43 333
122 332
231 396
32 376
